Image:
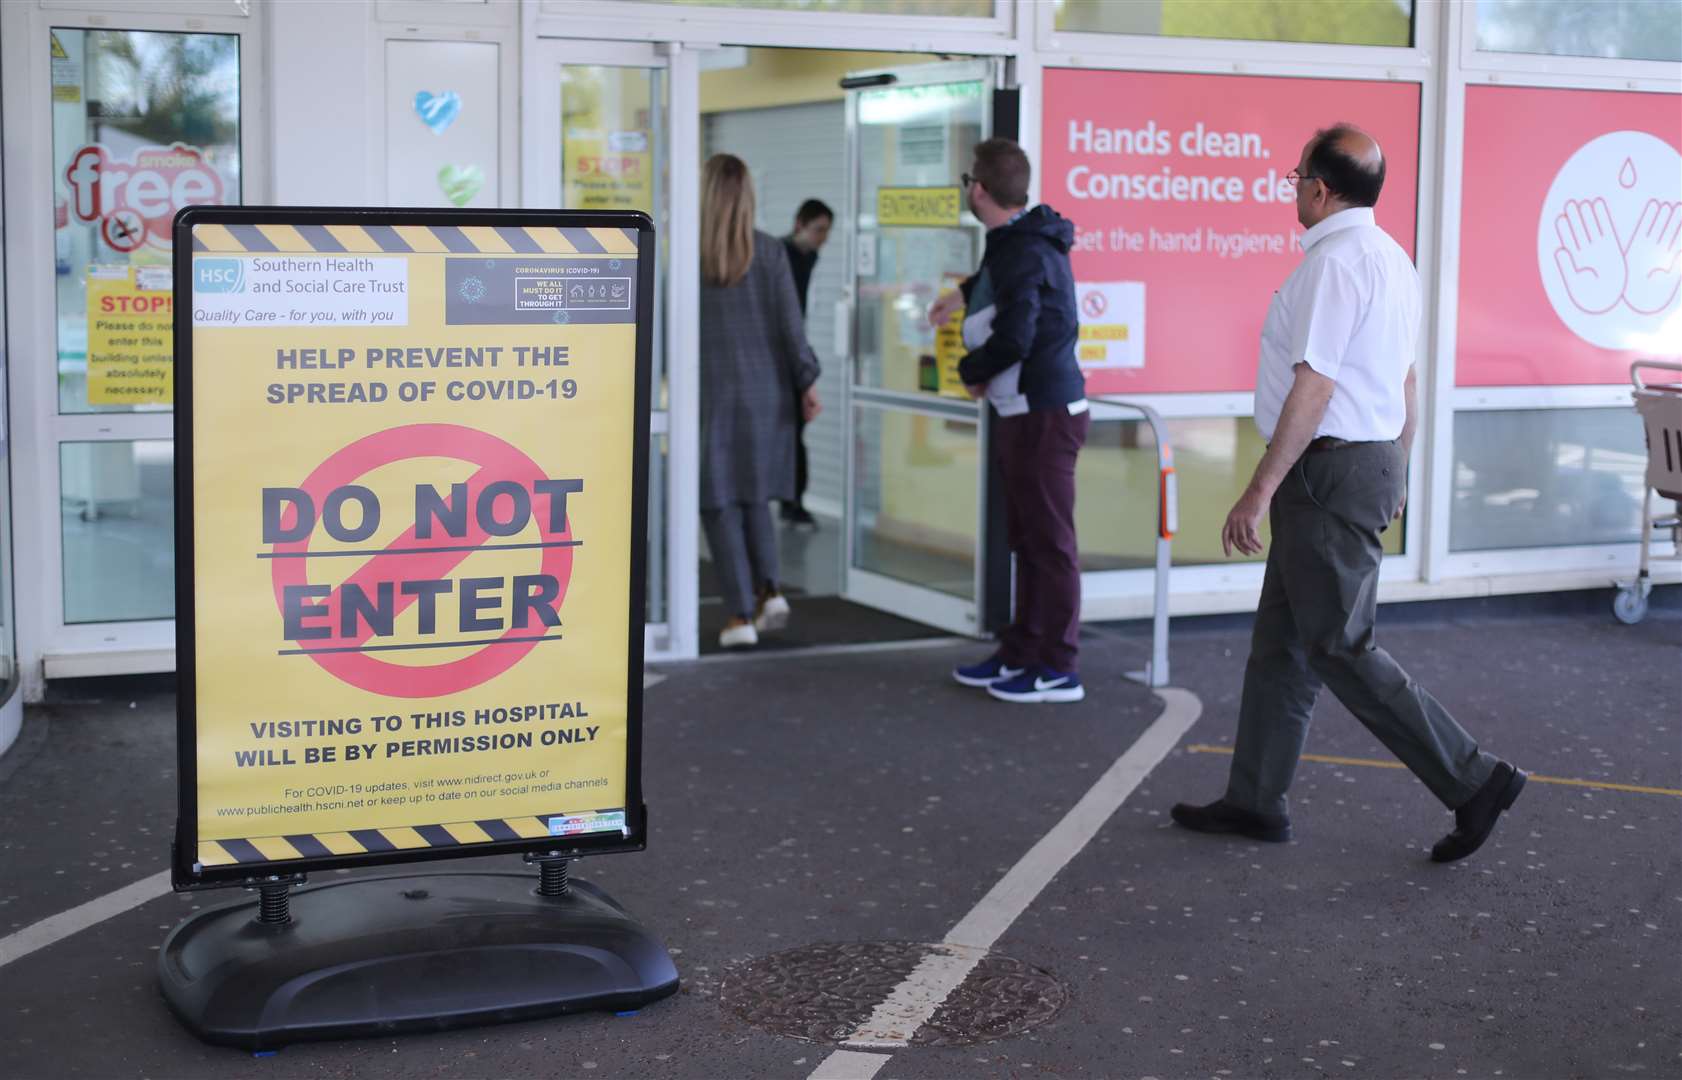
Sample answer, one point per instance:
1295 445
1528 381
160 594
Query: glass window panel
1610 29
1548 477
143 124
911 137
1335 22
956 9
1116 491
118 510
917 501
613 157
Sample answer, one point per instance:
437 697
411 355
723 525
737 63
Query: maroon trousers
1035 454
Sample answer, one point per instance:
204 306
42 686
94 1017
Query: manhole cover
822 993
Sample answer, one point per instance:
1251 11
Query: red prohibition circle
497 461
124 230
1093 304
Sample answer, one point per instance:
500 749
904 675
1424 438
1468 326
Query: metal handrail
1657 365
1155 673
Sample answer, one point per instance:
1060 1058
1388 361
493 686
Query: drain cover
822 993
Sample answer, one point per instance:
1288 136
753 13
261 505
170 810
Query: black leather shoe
1223 817
1476 820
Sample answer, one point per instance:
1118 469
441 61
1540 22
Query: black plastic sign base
412 952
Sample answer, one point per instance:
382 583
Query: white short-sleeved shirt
1351 312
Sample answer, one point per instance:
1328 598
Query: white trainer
773 614
739 636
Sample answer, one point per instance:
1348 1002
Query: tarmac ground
852 799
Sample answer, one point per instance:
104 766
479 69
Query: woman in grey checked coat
754 356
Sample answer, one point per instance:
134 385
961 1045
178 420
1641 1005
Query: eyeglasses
1296 177
966 179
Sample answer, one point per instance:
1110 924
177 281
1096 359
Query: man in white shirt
1335 402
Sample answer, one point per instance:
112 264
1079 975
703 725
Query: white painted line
895 1022
849 1065
58 927
807 652
990 918
913 1001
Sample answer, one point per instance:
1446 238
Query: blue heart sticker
438 111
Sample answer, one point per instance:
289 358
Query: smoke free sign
300 290
1176 185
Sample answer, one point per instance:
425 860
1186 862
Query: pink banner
1570 235
1185 223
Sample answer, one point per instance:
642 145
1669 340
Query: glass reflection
1345 22
1548 477
117 508
143 124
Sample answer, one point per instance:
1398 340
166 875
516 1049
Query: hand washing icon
1609 243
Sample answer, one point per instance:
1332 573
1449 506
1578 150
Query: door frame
47 646
676 637
907 599
11 696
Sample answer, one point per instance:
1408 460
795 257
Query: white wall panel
320 104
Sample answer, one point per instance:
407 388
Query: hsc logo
218 275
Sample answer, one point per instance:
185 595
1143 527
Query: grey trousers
744 548
1315 626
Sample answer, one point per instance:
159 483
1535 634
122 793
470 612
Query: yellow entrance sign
414 471
948 350
131 353
929 207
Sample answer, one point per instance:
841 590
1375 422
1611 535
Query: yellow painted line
1637 788
1372 763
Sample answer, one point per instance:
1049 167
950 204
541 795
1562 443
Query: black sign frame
185 871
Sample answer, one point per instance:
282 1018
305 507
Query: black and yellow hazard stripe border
395 239
291 847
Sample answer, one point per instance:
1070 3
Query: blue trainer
1039 684
986 673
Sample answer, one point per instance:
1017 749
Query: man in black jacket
811 229
1021 327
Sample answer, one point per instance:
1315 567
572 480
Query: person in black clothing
811 229
1021 327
